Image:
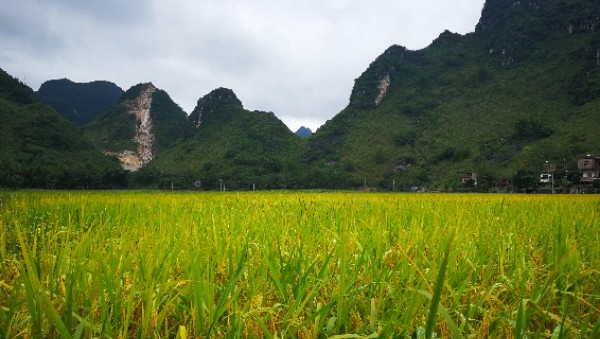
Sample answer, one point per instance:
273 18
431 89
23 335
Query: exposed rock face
143 134
512 27
144 138
384 84
130 161
372 86
584 25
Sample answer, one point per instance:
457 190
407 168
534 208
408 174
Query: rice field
298 265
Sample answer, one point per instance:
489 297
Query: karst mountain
520 92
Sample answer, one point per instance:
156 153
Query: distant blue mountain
304 132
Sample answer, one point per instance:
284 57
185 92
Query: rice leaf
437 293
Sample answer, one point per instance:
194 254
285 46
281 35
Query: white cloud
297 59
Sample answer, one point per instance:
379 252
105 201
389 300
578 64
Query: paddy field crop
305 265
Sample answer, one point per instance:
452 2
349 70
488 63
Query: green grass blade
273 273
86 324
437 294
444 313
521 323
220 308
264 329
596 331
354 336
37 291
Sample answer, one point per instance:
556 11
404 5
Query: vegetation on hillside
80 103
40 149
520 92
232 148
457 107
170 122
13 90
115 129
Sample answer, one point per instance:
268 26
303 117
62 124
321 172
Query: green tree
525 181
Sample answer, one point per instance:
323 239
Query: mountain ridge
521 91
244 149
41 149
304 132
80 103
144 123
423 118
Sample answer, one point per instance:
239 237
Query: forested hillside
41 149
521 91
232 148
518 97
80 103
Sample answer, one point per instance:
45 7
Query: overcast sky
297 59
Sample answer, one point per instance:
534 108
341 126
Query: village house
469 178
589 167
545 178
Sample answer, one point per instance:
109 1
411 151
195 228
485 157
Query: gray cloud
297 59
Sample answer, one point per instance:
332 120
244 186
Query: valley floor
307 265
